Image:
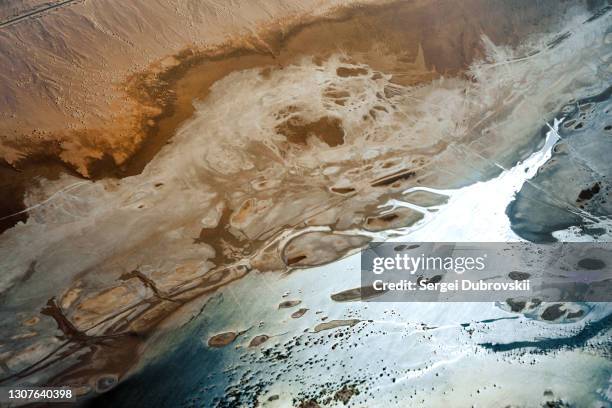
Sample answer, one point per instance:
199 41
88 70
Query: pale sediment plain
230 140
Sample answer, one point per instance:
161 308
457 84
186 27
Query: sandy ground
63 73
109 97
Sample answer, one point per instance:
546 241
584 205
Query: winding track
32 13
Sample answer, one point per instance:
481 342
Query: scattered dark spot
553 312
346 393
362 293
259 340
576 314
516 305
555 404
299 313
288 303
518 276
434 279
591 264
222 340
588 193
349 72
